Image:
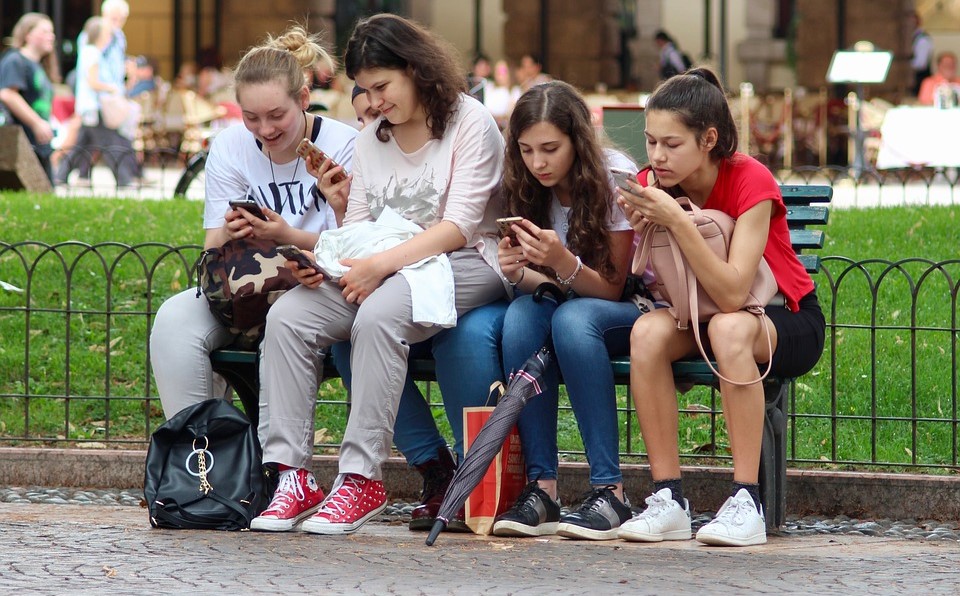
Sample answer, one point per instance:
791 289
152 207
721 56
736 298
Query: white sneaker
738 523
663 519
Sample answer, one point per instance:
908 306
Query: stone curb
855 494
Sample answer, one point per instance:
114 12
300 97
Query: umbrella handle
549 288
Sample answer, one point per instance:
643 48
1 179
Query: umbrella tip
438 527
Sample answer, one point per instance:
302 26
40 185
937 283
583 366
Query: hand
634 217
652 203
364 276
242 224
336 193
541 247
42 131
510 257
306 277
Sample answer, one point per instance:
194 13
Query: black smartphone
251 207
292 253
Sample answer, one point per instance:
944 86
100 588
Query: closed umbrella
523 385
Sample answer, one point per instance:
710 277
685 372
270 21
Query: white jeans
304 323
183 335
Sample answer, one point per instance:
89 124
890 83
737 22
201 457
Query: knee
650 336
730 335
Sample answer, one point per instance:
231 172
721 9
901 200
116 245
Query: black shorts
800 337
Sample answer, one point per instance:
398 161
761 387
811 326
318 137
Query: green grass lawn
111 289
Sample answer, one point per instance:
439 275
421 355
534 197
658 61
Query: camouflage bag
241 280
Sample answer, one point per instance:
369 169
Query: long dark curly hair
561 105
389 41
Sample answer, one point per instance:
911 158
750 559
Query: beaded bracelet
573 276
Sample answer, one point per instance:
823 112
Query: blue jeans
467 362
586 333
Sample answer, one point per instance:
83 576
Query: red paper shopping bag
505 477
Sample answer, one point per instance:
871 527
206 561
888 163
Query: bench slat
801 239
805 194
799 216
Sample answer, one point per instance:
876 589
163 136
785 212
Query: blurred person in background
941 88
921 51
27 74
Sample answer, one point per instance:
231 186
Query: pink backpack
677 284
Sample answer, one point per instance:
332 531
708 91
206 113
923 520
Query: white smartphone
621 176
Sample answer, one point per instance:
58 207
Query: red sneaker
351 502
297 497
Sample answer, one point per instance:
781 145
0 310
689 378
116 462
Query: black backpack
204 470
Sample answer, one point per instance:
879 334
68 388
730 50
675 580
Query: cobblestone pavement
107 547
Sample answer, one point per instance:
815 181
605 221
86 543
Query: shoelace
336 502
655 504
525 494
288 489
595 499
735 512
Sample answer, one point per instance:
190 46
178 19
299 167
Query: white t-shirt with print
560 215
237 169
450 179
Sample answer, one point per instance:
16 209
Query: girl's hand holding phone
332 180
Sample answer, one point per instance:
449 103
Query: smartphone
308 150
504 223
621 176
292 253
251 207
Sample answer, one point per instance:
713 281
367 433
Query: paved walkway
85 549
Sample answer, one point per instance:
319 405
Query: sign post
862 65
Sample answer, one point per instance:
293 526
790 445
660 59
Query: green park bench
807 205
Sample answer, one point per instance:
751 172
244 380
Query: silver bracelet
514 284
573 276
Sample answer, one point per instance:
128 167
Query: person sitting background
501 95
530 72
143 72
946 74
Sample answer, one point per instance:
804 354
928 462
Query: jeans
586 333
467 362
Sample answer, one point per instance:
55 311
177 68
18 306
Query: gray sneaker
599 517
663 519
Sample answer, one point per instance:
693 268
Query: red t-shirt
742 183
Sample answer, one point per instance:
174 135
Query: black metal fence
74 361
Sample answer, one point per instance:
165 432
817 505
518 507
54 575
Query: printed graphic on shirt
294 197
416 199
43 105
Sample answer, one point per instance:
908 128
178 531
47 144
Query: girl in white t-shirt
256 160
434 157
557 178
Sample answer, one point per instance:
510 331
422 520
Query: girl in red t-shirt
692 144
